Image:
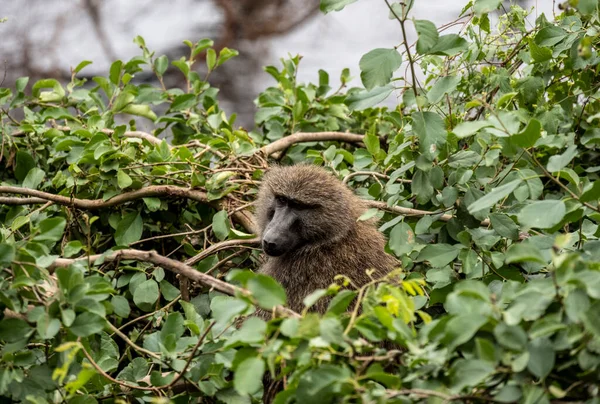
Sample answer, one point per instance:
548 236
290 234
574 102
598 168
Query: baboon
310 232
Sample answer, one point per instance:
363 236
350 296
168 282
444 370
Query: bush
126 258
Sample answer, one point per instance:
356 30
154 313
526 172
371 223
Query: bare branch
300 137
221 246
177 267
10 200
244 218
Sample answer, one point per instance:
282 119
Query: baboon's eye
281 200
299 205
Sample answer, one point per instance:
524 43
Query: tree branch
300 137
174 266
220 246
244 218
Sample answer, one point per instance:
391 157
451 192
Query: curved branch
220 246
10 200
177 267
300 137
244 218
93 204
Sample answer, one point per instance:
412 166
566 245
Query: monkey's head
303 205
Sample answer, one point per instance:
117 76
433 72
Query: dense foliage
126 260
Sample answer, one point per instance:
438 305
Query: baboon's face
286 227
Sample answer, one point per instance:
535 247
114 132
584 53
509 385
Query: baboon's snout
278 241
272 248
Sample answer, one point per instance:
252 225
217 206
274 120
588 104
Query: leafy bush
115 242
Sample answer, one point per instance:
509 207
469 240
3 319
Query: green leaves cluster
488 166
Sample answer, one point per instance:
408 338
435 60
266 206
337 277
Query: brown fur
337 242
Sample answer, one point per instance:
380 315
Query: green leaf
469 373
160 65
247 378
372 143
21 83
123 179
558 162
140 110
586 7
492 197
486 6
86 324
539 54
402 239
7 253
146 294
443 86
13 329
120 306
225 308
438 255
430 129
47 327
51 229
542 214
550 35
504 226
529 135
34 177
331 330
367 99
511 336
523 253
469 128
129 229
267 291
449 45
211 59
57 93
461 329
183 101
421 187
377 67
115 72
428 36
592 194
24 164
202 45
81 65
340 302
317 385
541 357
328 6
220 225
225 54
252 331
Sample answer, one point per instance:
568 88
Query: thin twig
220 246
190 358
112 379
407 47
131 343
244 218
